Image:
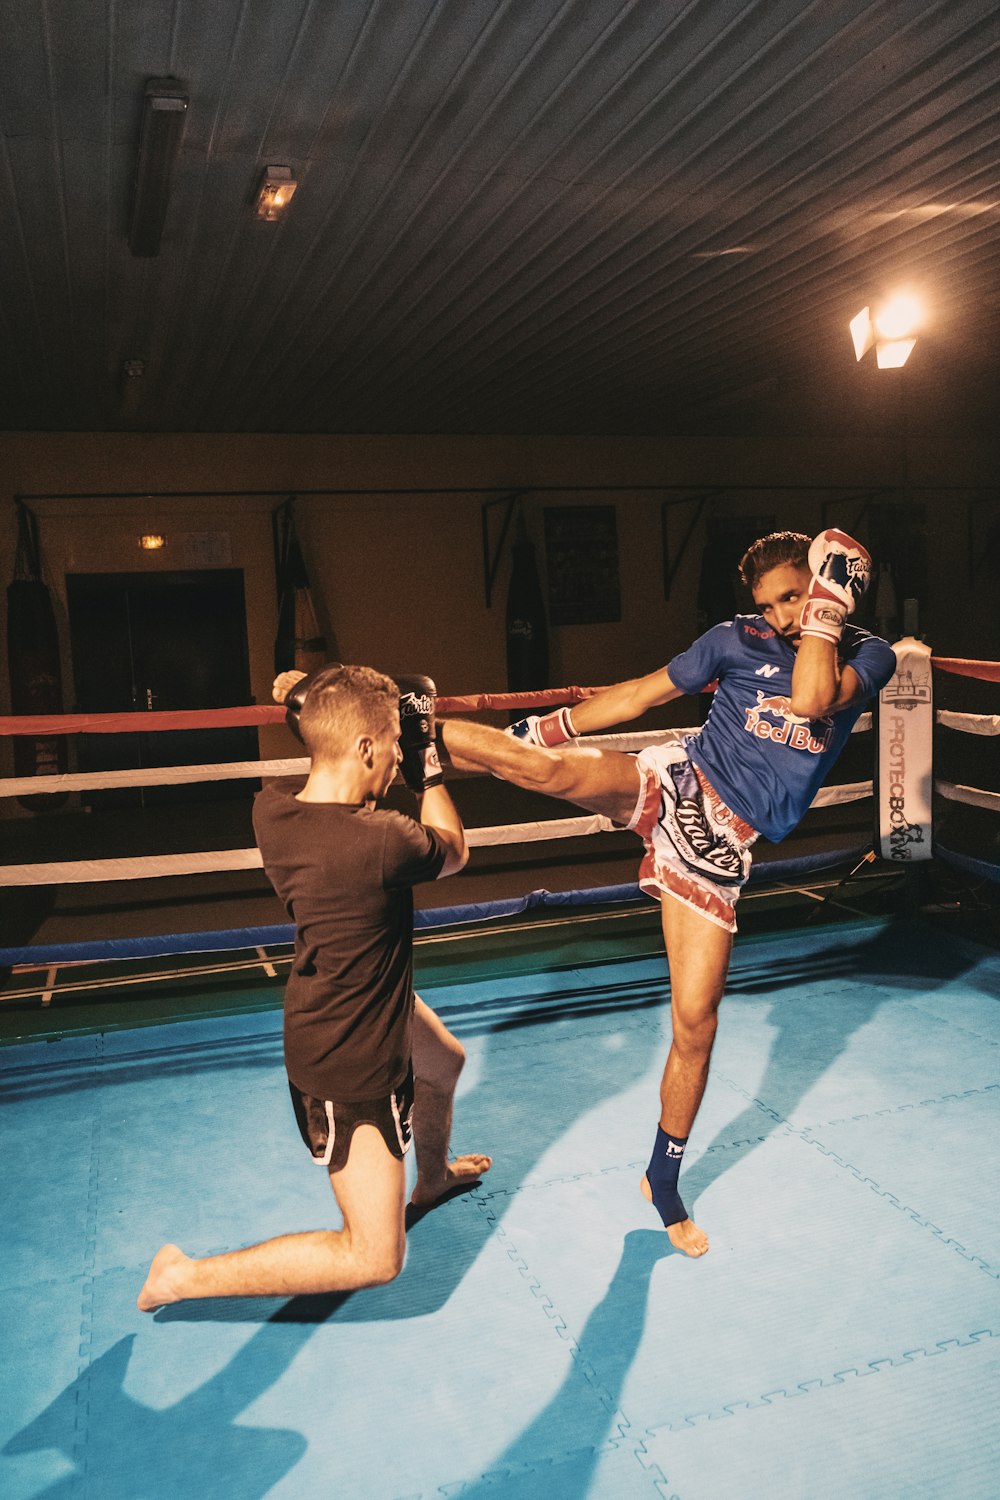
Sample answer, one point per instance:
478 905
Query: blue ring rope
983 867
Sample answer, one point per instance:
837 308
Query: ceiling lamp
276 191
892 328
164 108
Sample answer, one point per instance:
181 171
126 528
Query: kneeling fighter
792 680
362 1052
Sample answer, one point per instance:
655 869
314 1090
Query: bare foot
162 1285
684 1236
463 1172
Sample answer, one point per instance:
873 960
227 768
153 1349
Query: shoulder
860 648
398 829
751 632
869 657
277 797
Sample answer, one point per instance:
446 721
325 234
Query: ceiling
513 216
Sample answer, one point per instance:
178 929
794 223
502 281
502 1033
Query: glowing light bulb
900 317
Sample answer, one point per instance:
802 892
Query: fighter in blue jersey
792 680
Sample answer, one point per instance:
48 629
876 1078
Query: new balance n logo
766 671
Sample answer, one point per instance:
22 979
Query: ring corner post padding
905 755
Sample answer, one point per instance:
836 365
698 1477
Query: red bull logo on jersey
772 719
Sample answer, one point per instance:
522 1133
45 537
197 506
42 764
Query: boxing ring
842 1337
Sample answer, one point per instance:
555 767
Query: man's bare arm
623 702
438 811
820 685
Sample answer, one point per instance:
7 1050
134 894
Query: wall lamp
277 188
163 113
891 327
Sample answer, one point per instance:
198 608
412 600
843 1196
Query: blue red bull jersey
765 762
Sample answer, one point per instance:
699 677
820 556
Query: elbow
810 705
458 858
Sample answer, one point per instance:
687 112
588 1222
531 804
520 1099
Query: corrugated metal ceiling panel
520 216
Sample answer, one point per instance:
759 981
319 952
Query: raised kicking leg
438 1059
368 1251
698 955
602 781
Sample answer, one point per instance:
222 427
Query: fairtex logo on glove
850 570
410 704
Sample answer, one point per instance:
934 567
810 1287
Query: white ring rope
240 770
150 866
970 794
969 723
92 781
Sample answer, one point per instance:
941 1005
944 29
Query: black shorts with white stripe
327 1126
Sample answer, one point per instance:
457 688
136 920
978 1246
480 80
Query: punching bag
527 627
300 642
33 663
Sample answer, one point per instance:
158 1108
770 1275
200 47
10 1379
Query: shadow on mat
120 1448
804 1048
607 1347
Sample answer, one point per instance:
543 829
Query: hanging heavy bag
527 627
35 682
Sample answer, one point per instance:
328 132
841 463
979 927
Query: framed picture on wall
581 553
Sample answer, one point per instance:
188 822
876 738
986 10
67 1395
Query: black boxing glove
421 764
297 695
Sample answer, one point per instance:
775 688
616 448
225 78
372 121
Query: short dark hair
343 703
779 548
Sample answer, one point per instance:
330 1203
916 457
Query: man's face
780 595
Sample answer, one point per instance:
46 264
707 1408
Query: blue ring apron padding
441 916
983 867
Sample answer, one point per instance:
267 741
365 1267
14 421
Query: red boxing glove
554 729
841 571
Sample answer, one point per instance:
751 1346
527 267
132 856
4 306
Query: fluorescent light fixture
152 542
276 191
891 327
164 110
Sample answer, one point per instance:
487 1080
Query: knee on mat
386 1266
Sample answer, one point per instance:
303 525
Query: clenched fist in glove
550 730
421 763
841 570
294 696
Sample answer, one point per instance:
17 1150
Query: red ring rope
235 718
961 666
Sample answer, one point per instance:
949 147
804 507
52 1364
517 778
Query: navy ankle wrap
662 1173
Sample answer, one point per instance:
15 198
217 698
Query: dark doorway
143 641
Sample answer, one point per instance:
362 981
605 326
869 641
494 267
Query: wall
399 578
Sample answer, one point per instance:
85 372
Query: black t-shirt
345 874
